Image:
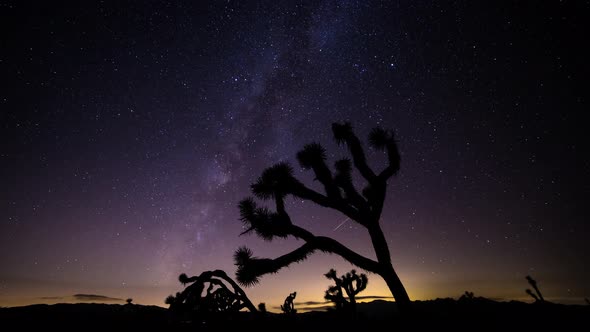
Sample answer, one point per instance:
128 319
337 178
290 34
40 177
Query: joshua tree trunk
388 273
397 289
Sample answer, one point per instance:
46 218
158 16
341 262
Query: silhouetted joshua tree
171 300
288 307
467 296
277 182
183 278
217 298
352 284
129 300
528 291
533 283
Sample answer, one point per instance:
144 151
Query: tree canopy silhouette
288 307
350 284
365 208
538 297
208 294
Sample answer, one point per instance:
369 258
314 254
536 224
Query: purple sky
132 131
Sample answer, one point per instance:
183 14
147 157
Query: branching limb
343 179
382 139
343 134
250 268
314 156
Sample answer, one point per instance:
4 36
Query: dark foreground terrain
477 314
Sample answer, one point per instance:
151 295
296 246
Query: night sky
131 131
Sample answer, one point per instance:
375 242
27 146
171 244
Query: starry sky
131 130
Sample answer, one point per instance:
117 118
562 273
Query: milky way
131 132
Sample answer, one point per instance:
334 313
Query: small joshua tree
467 296
351 283
528 291
538 297
129 300
288 307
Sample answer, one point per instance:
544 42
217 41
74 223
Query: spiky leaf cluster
262 221
249 267
275 181
311 155
379 138
342 131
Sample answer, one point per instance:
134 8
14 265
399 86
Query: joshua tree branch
343 179
353 196
394 161
343 134
294 256
359 159
323 174
314 156
251 268
313 243
304 192
330 245
378 199
383 139
280 205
